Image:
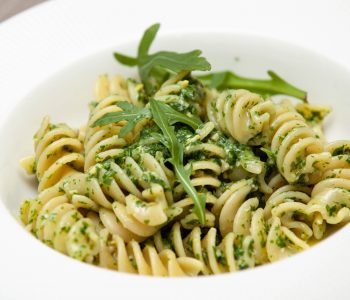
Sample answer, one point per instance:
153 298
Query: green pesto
184 133
220 257
331 210
93 104
154 178
237 152
205 256
281 241
52 127
108 176
344 149
194 92
133 262
83 228
298 164
301 180
251 248
238 247
189 245
192 222
140 203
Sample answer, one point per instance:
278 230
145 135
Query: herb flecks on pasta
178 175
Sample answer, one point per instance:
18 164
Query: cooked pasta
330 196
58 154
175 175
253 120
55 219
102 142
129 257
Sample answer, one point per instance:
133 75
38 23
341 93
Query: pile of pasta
273 185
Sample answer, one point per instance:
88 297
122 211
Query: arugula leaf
125 59
160 138
176 62
176 150
131 113
273 86
152 66
173 116
147 39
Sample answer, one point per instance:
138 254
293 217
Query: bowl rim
6 219
7 118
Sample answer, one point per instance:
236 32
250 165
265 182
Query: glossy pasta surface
272 184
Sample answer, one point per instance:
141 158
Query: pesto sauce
281 241
236 152
154 178
146 143
220 257
331 210
341 150
184 133
230 148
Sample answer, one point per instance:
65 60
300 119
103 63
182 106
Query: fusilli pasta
269 183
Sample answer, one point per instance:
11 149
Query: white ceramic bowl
65 96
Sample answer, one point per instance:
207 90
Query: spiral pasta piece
251 120
253 240
53 217
130 257
211 161
275 181
282 242
331 197
234 251
205 160
299 151
140 193
227 205
205 250
102 142
186 216
133 176
211 142
182 92
58 154
289 204
241 114
243 217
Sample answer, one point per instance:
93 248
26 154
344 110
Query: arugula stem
199 202
177 152
275 85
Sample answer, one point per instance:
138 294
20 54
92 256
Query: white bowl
65 96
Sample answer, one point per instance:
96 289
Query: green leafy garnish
155 67
176 151
133 114
173 116
273 86
130 113
125 60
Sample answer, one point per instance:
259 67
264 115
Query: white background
322 25
32 46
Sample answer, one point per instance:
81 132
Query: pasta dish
182 174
